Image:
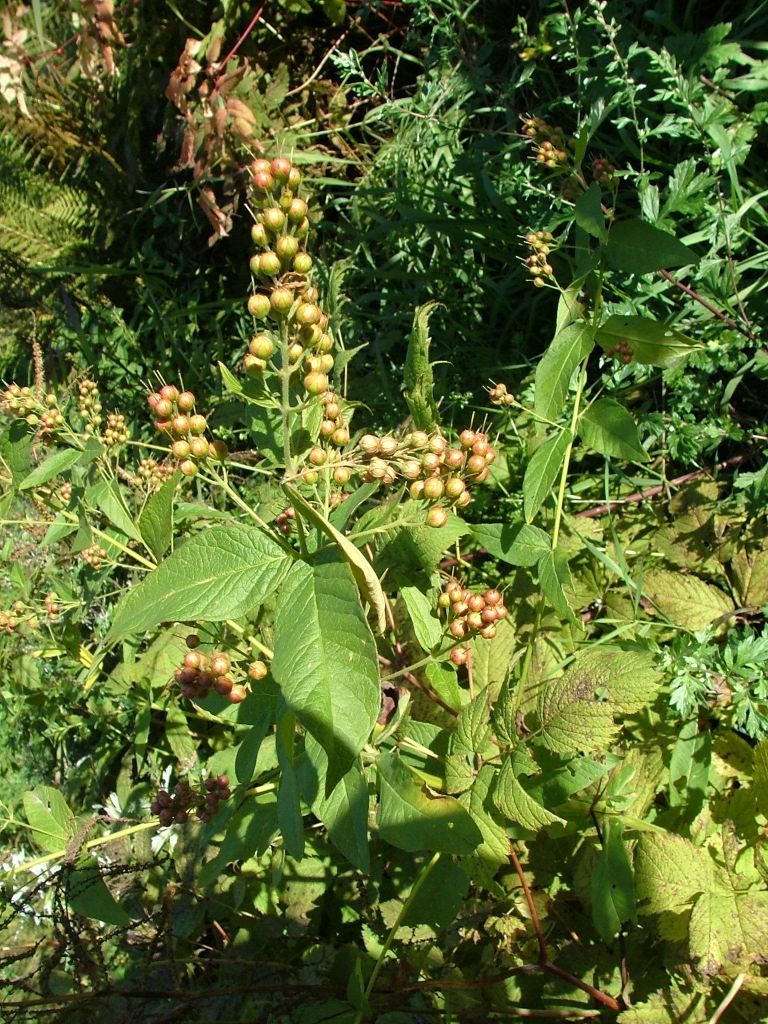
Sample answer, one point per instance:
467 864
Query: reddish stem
243 37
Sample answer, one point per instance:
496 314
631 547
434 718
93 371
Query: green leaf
515 543
652 343
670 872
417 372
108 498
289 816
183 745
493 851
250 830
411 820
689 768
588 212
512 800
362 570
640 248
606 427
16 448
761 777
686 601
57 462
220 573
156 519
542 471
438 901
613 884
554 574
473 726
343 811
426 625
325 659
88 895
52 822
565 353
728 929
491 659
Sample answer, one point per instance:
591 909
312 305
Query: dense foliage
383 477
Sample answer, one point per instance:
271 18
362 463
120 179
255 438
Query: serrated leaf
668 1007
577 709
640 248
565 353
686 601
613 886
588 212
108 498
325 659
670 872
761 777
177 733
652 343
515 543
493 851
220 573
491 658
750 572
728 930
156 519
411 820
362 570
542 471
417 372
52 822
426 625
514 802
606 427
473 726
57 462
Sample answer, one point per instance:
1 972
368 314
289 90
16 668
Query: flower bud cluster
175 414
470 613
89 405
539 242
152 474
499 395
51 603
201 673
552 144
17 616
621 351
94 555
175 808
284 520
24 404
603 171
116 431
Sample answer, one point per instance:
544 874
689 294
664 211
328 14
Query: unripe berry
295 353
388 446
340 437
458 627
180 449
327 428
476 603
254 366
198 447
430 462
459 655
315 383
261 346
294 177
332 410
369 443
437 444
437 517
475 620
297 211
180 424
268 264
416 489
492 596
220 664
326 363
257 670
164 408
197 423
467 438
188 468
218 450
259 236
488 632
454 488
341 474
411 469
186 401
318 456
463 500
475 464
419 439
302 262
433 489
281 301
273 218
310 476
302 230
443 601
263 181
287 247
261 166
481 447
193 659
281 168
169 392
308 314
258 306
454 458
237 694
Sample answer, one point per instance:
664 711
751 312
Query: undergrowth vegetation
384 496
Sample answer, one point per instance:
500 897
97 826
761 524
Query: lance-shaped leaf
220 573
417 372
325 659
640 248
362 570
542 470
554 372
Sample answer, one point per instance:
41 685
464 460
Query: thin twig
730 995
243 37
318 69
707 305
650 492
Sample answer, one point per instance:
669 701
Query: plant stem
285 407
417 885
101 841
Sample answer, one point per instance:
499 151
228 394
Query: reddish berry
437 517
